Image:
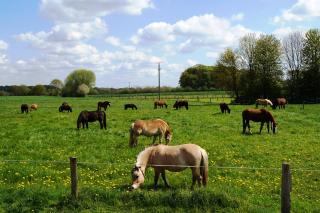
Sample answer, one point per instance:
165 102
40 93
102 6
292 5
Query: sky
122 41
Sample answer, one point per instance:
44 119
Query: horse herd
172 158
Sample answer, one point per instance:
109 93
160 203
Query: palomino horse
279 102
104 105
91 116
24 108
224 108
258 115
178 104
171 158
33 107
156 128
132 106
160 103
65 107
264 102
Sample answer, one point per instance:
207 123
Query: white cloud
84 10
237 17
113 41
302 10
3 45
284 31
195 32
191 62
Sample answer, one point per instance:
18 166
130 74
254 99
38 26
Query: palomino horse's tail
204 167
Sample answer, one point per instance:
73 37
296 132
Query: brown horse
181 103
33 107
171 158
65 107
104 105
91 116
258 115
156 128
263 102
160 103
24 108
279 102
224 108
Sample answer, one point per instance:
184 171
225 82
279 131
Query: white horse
171 158
156 128
264 102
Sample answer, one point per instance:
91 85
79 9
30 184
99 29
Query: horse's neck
143 158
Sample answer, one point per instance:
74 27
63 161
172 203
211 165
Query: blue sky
123 40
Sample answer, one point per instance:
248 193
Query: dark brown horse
258 115
65 107
132 106
181 103
92 116
24 108
279 102
224 108
104 105
160 103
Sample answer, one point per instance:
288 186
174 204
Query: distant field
47 138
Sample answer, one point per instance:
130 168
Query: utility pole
159 80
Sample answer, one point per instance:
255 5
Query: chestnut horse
264 102
91 116
258 115
104 105
224 108
160 103
156 128
24 108
65 107
33 107
279 102
181 103
171 158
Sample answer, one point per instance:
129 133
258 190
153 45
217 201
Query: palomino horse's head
168 135
137 177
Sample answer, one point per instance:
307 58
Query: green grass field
44 140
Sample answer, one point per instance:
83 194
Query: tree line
264 67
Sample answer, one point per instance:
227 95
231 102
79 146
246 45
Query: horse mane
143 156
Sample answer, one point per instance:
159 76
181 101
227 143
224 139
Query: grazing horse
104 105
65 107
264 102
224 108
180 103
156 128
132 106
160 103
91 116
258 115
171 158
33 107
24 108
279 102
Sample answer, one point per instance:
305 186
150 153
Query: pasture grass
47 138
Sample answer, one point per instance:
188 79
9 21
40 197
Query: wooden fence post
285 188
74 177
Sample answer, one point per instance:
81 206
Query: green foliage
21 90
57 84
198 77
47 135
75 79
83 90
38 90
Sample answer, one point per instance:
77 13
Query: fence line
159 165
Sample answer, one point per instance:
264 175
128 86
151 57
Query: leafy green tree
83 90
21 90
228 71
38 90
77 78
311 64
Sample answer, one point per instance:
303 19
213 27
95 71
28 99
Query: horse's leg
262 123
268 126
163 175
156 178
101 123
248 125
